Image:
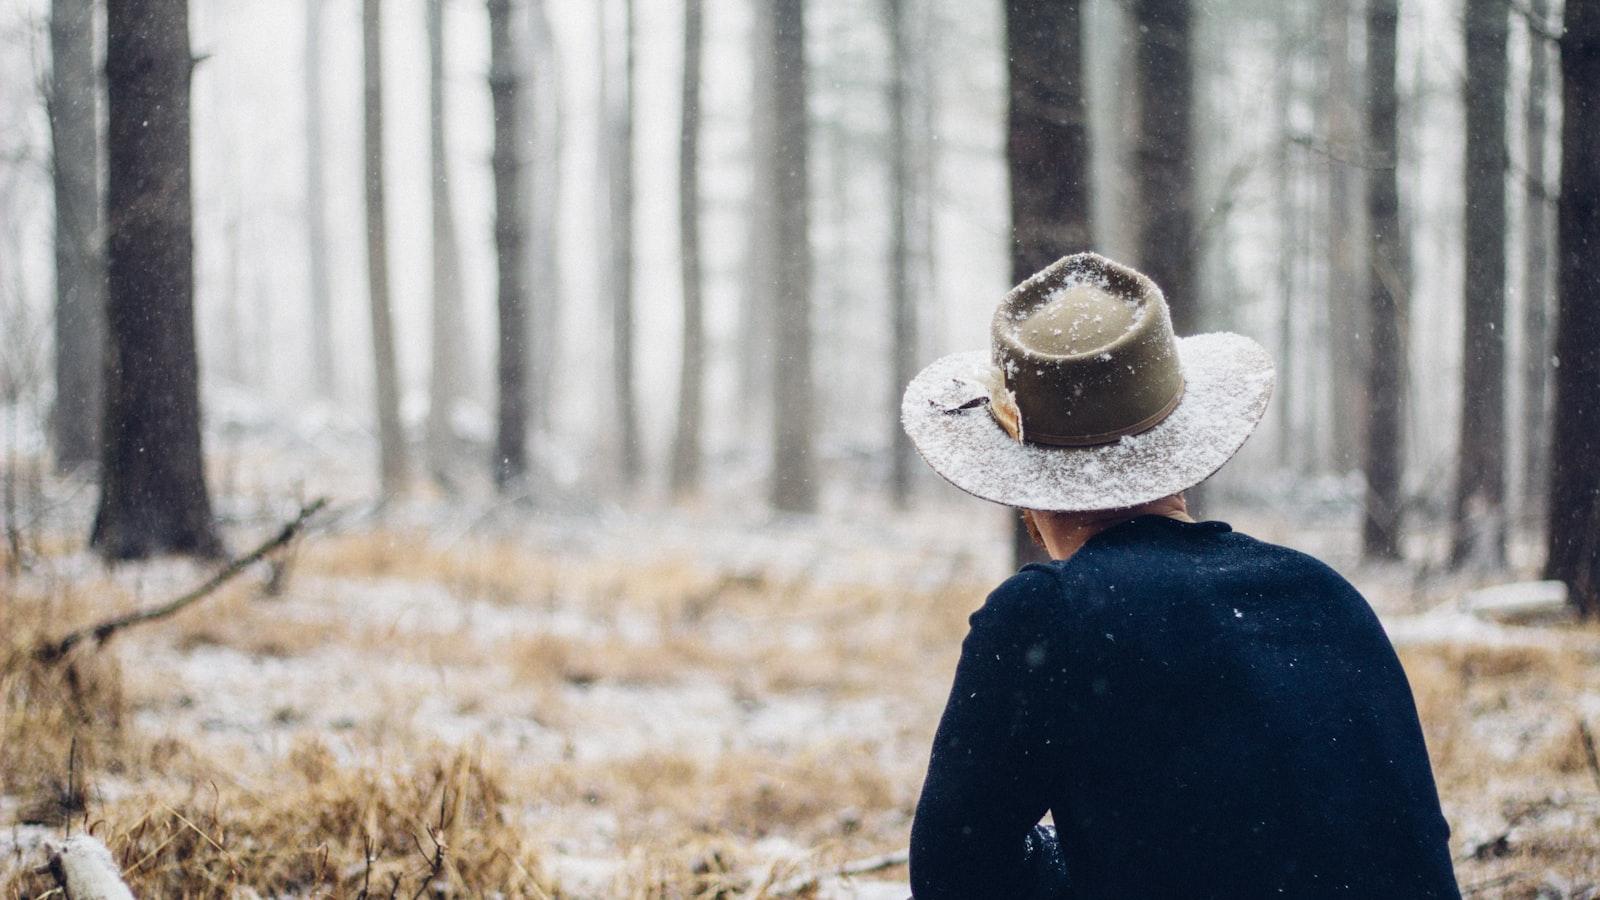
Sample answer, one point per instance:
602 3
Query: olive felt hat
1087 400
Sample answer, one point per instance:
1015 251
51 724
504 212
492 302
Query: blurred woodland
590 320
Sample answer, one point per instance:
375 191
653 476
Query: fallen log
52 651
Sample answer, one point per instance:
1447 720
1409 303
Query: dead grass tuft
437 826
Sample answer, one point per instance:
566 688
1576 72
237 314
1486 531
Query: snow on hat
1087 401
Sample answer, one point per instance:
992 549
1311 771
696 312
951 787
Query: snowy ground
671 699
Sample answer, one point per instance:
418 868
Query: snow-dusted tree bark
1574 499
685 475
902 305
391 435
617 116
1047 149
317 212
1479 523
1388 293
447 352
511 456
793 486
1536 264
153 495
75 167
1165 156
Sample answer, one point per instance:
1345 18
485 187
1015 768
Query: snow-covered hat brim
1228 381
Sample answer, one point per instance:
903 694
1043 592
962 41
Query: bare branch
55 650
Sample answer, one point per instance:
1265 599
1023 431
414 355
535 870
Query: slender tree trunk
75 167
511 458
1574 499
391 436
1388 293
153 496
794 487
1166 162
760 259
686 444
1536 266
619 155
1480 527
322 372
1286 182
446 381
1169 248
1047 151
546 300
902 306
1347 319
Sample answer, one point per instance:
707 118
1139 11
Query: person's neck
1065 533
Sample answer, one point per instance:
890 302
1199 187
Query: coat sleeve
976 831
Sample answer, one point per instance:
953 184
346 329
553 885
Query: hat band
1009 420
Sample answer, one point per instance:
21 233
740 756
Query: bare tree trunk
619 169
317 213
760 261
902 305
1047 151
153 496
1388 293
1480 527
511 457
391 436
1536 266
446 378
80 292
793 474
1574 499
1167 246
546 299
685 475
1286 393
1347 319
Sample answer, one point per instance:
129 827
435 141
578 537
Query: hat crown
1075 319
1087 352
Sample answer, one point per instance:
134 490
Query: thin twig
55 650
1590 756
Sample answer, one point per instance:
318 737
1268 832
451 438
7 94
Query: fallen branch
100 633
850 869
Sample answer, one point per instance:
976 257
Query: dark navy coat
1203 714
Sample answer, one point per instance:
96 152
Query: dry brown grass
297 811
1505 730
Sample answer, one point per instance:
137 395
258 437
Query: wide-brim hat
1086 400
